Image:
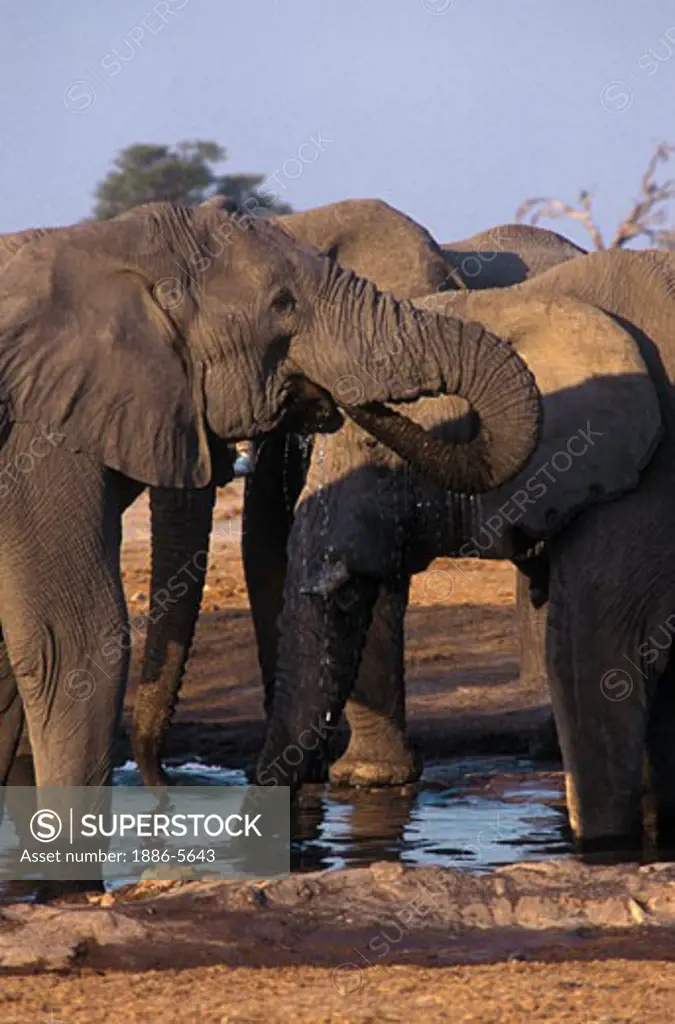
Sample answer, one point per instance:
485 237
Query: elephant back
505 255
12 243
602 417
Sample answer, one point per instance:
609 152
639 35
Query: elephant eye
283 301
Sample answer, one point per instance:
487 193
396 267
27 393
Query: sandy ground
463 696
594 992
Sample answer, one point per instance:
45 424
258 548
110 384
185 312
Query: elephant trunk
376 349
181 527
321 641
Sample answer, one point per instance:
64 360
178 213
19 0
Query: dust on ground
233 954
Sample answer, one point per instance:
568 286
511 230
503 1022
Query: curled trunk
371 349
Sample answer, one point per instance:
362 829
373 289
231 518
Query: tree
646 218
184 174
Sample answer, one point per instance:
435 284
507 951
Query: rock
53 939
477 915
503 913
169 874
637 911
384 871
47 957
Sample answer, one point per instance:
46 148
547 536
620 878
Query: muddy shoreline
371 944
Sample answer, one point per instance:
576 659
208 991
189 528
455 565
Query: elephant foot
365 771
620 849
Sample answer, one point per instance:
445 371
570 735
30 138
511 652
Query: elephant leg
266 525
15 748
378 754
16 760
16 756
531 626
17 772
531 632
181 531
661 754
63 612
599 697
11 719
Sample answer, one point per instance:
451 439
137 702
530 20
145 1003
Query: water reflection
474 813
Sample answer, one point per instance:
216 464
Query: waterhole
474 813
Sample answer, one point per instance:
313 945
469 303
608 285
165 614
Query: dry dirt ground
556 944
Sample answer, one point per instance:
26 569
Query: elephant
128 350
372 239
589 520
505 255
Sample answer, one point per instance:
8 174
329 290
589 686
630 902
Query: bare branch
557 208
646 218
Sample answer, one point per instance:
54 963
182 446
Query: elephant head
371 239
601 425
110 338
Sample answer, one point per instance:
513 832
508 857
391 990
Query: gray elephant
127 349
592 513
372 239
21 772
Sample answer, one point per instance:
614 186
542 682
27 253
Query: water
474 813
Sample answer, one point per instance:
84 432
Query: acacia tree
186 174
647 217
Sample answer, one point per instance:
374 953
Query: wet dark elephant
588 520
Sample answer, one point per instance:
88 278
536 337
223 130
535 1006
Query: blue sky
451 110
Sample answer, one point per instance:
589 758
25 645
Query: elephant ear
602 419
87 352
